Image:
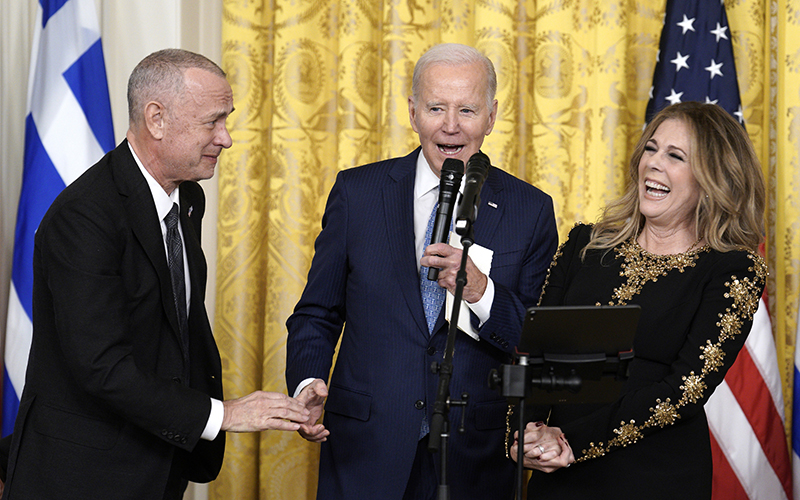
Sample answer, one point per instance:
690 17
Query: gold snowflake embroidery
693 388
627 434
741 291
664 414
730 325
713 356
594 451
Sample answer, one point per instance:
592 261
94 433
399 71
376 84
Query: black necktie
175 262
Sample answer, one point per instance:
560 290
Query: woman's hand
546 448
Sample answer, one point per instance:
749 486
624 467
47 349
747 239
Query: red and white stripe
746 418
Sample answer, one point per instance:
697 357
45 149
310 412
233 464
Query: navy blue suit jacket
364 276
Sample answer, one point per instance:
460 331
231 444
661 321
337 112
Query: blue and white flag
67 129
695 58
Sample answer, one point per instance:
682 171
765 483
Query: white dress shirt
426 195
163 202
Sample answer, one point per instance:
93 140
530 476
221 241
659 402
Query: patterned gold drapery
321 85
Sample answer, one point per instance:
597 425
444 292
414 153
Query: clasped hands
313 397
261 411
546 448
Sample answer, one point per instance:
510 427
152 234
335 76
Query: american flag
695 58
745 413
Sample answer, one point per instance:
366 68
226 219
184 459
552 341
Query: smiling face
195 130
450 115
668 190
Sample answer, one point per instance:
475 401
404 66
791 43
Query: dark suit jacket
364 275
104 413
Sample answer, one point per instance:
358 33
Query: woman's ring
541 449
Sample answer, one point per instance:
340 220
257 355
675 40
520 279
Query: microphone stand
439 429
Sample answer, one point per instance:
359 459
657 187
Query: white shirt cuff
214 423
302 385
483 307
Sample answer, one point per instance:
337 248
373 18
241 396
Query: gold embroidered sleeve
742 293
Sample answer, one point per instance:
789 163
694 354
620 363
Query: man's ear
412 113
154 119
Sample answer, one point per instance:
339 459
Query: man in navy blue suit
366 276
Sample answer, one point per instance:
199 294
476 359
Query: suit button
419 405
177 380
431 351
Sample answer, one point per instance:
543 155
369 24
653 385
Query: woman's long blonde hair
730 212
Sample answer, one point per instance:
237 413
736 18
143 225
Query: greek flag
67 128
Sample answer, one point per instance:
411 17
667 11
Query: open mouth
450 149
655 189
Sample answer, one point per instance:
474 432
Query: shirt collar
426 179
162 200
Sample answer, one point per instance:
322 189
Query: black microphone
477 170
449 182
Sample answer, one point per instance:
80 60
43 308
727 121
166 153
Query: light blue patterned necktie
432 293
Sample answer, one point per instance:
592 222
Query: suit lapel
191 241
143 219
398 199
201 339
490 210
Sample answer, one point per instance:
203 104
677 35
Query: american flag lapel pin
189 214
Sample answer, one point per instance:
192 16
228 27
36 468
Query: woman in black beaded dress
681 243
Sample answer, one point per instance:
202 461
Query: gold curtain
322 85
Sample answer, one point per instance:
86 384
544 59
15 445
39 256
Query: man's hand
448 260
313 397
261 411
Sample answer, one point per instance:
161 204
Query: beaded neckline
640 267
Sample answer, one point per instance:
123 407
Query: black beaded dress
697 309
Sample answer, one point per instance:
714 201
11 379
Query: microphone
477 170
449 182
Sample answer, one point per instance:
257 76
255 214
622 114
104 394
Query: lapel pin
492 204
189 214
